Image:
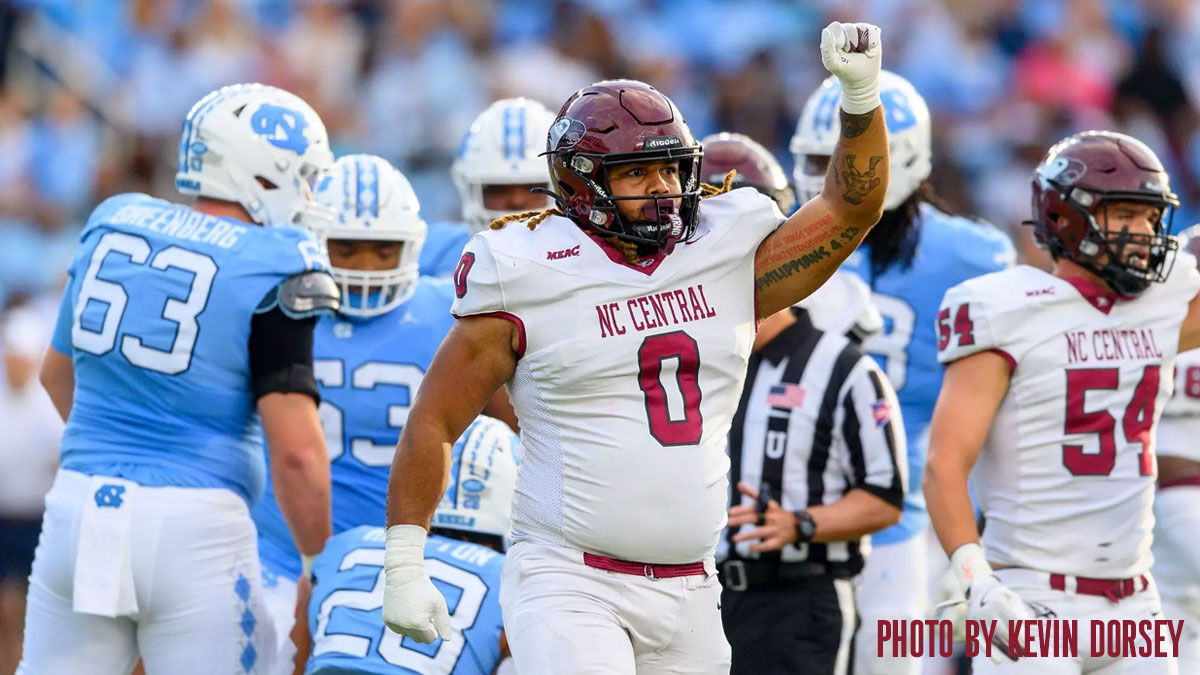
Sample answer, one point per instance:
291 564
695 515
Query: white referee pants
122 570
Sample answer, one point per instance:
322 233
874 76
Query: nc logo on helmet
282 127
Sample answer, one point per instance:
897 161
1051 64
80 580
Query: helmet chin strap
558 201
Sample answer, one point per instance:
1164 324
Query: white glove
989 600
952 605
852 52
411 605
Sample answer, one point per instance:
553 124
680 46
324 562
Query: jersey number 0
680 347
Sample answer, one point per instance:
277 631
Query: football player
1177 503
185 333
498 165
1054 385
756 167
464 558
622 323
369 359
916 252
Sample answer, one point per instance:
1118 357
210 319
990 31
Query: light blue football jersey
368 371
346 621
156 319
950 250
443 247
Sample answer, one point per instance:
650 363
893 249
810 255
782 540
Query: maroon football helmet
618 122
756 167
1088 170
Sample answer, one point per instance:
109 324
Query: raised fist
852 52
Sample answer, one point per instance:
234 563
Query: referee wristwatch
806 527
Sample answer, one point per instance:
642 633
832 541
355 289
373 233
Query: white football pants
122 570
562 616
1034 587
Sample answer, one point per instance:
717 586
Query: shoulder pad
304 296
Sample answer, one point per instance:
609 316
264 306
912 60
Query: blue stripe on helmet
194 119
521 132
374 188
345 192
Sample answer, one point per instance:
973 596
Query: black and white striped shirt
817 417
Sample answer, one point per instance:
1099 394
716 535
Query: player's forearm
420 469
301 478
948 501
856 514
810 245
857 179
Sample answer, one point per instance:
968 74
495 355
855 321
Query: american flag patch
786 396
882 412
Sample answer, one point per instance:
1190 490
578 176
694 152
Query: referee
817 454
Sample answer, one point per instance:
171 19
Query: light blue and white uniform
347 627
344 617
368 360
368 371
147 545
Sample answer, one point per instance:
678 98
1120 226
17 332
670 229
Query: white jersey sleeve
478 288
971 319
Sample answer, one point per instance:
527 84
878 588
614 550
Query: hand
852 52
991 600
411 605
776 527
952 605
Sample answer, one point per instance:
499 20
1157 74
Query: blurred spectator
28 460
402 78
65 153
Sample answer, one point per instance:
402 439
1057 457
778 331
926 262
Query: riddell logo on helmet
659 142
565 253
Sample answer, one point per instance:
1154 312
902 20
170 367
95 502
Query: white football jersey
628 376
1179 429
1066 477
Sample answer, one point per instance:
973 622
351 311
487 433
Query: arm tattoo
803 260
859 183
853 126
